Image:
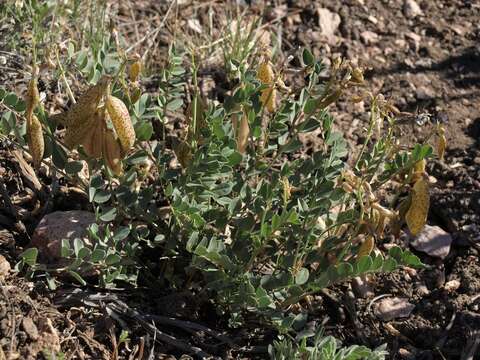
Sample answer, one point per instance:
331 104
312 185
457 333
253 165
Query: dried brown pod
183 151
121 122
35 140
93 141
32 98
243 133
112 152
367 246
268 95
85 106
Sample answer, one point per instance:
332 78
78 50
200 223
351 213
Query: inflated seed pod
121 122
85 106
367 246
32 98
93 142
268 95
416 216
112 152
76 135
184 153
134 70
35 140
243 133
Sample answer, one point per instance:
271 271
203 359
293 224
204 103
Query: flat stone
411 9
4 266
59 225
392 308
369 37
328 23
434 241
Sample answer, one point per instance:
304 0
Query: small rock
452 285
4 266
392 308
411 9
425 93
54 227
434 241
369 37
328 22
422 290
30 328
361 287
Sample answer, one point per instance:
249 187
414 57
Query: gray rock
433 241
54 227
369 37
328 24
391 308
411 9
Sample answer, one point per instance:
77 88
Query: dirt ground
427 64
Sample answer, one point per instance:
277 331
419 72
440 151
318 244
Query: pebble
369 37
391 308
411 9
452 285
328 23
54 227
4 266
434 241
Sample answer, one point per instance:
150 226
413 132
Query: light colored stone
411 9
452 285
392 308
54 227
361 287
434 241
328 23
4 266
369 37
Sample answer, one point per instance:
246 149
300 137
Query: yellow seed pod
135 93
265 73
441 142
121 122
85 106
416 216
243 133
112 152
183 151
32 98
35 140
367 246
419 169
134 70
269 98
